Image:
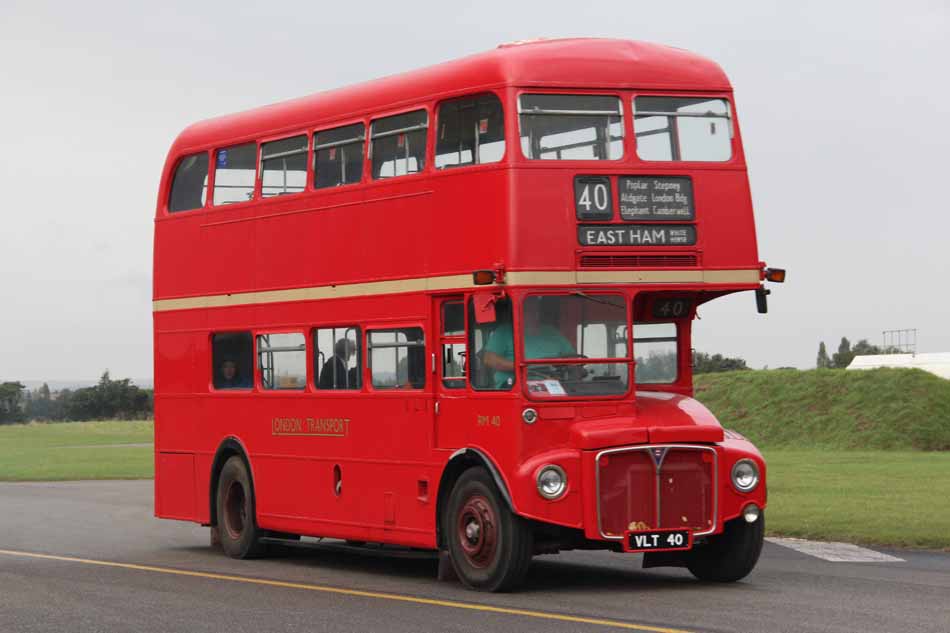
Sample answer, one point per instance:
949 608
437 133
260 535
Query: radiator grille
656 487
638 261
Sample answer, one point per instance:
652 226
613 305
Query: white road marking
835 552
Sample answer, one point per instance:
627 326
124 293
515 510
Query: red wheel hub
478 531
235 510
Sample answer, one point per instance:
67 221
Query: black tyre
731 555
237 525
489 546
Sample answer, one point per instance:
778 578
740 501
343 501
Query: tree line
107 400
846 353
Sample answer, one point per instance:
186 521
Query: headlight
745 475
552 481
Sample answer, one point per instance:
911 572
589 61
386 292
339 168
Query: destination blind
637 235
656 198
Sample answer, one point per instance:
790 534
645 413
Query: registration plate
658 540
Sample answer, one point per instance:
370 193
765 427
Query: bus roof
567 63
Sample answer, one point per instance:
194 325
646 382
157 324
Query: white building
938 364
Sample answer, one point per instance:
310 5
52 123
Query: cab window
655 351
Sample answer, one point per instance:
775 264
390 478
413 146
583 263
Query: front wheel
731 555
237 525
489 546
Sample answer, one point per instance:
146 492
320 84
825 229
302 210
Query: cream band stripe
451 604
459 282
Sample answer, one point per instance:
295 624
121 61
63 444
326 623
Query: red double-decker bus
451 309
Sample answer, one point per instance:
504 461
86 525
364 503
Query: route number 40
600 199
592 199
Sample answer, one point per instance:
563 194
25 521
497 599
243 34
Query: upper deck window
338 156
471 132
399 144
234 173
571 127
284 166
190 184
682 128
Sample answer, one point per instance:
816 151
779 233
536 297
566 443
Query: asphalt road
89 556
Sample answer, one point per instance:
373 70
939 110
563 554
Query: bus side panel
175 494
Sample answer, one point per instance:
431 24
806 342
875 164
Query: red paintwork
516 214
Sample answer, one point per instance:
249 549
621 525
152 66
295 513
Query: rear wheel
237 526
731 555
489 546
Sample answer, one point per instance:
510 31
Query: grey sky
844 107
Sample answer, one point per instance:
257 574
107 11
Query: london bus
451 310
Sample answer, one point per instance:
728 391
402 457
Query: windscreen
575 326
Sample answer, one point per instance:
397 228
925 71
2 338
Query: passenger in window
229 376
334 374
541 340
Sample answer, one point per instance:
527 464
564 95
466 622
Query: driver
541 340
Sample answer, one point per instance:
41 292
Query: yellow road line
451 604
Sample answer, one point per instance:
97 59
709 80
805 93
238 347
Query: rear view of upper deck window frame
471 131
571 126
669 129
237 186
189 188
398 144
284 166
338 156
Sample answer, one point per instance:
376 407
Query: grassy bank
902 409
76 450
877 497
871 497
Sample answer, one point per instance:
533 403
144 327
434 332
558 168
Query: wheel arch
229 447
460 461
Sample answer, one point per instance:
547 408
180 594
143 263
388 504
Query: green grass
75 450
873 497
904 409
857 456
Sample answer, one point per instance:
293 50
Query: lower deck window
282 360
397 358
232 360
337 357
